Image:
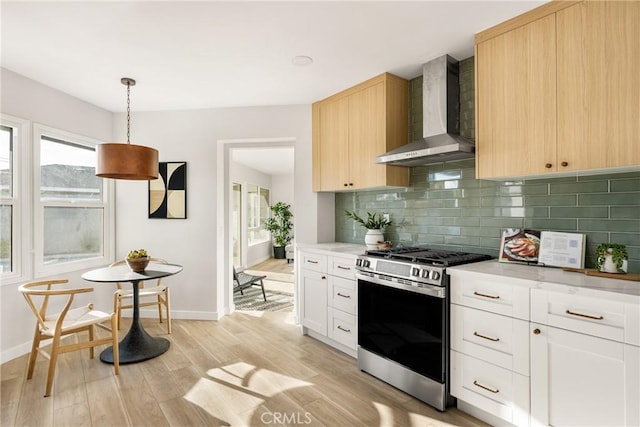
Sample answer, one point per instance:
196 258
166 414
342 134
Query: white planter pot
608 266
372 238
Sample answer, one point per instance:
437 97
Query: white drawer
314 262
343 294
343 328
342 267
497 339
498 391
588 315
490 294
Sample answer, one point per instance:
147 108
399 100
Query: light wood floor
275 266
241 370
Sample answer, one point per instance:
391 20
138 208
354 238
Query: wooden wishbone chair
153 295
68 321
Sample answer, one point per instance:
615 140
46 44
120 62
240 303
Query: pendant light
126 161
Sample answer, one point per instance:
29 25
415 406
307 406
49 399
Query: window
73 214
257 213
56 216
8 199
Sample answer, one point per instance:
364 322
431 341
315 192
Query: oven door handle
430 290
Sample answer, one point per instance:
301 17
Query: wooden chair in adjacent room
157 295
67 322
242 281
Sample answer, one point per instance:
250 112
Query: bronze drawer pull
343 268
311 261
477 384
573 313
486 337
343 329
486 296
343 295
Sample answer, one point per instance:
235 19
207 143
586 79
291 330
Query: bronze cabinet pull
486 337
310 261
343 295
536 331
343 268
486 295
573 313
343 329
548 165
492 390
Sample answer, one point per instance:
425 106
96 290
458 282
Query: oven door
404 326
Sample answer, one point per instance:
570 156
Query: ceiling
213 54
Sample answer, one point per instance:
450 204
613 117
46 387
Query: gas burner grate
417 254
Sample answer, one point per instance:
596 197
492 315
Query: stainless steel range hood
441 120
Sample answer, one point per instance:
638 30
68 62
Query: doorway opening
257 174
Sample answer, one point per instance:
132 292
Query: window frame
107 204
19 200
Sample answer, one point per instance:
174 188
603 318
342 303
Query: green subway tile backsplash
471 220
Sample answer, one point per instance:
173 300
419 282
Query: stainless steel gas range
403 319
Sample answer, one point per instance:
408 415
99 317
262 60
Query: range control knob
425 274
358 262
415 271
435 275
366 263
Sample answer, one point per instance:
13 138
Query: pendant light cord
128 113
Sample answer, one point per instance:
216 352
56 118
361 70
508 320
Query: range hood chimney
440 122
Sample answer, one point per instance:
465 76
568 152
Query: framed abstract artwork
168 193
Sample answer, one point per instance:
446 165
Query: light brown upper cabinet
558 90
354 126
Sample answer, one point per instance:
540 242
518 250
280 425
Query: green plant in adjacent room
618 254
279 224
374 221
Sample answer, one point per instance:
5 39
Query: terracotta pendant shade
126 161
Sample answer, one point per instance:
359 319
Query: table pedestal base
137 346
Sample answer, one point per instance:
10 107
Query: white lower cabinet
498 391
343 328
329 299
490 346
545 353
313 307
581 380
583 373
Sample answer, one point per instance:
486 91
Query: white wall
35 102
282 189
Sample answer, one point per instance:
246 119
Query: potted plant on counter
281 227
611 258
375 223
137 260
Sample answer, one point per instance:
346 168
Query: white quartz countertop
334 248
555 279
